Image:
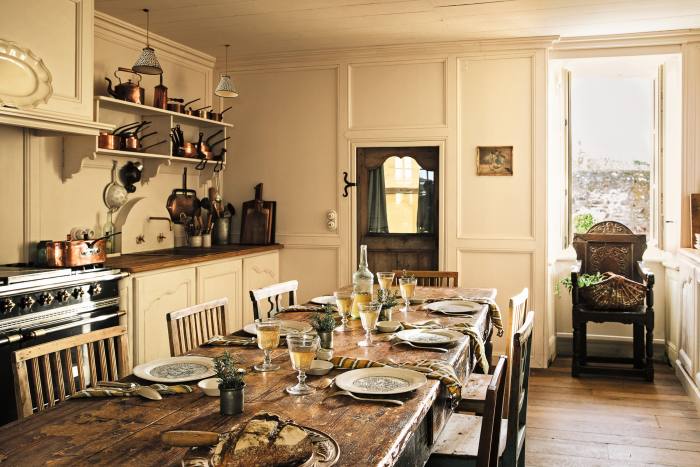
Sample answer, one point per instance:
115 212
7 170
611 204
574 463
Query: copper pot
175 104
72 253
187 150
201 112
217 116
133 142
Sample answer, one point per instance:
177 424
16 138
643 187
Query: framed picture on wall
494 160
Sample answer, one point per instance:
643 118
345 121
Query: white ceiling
269 26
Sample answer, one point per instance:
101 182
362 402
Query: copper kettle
160 95
130 92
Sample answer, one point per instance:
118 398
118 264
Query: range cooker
39 305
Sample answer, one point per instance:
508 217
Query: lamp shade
147 63
226 88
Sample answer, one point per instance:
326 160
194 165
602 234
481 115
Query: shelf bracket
76 149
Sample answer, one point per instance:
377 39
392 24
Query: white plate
26 82
384 380
288 326
324 300
429 336
454 307
319 368
176 369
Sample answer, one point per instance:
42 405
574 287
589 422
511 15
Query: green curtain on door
377 202
426 199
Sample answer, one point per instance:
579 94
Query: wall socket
332 220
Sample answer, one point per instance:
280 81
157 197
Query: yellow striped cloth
433 369
162 389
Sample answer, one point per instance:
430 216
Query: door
397 207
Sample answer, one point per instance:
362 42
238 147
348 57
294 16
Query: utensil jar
231 400
221 230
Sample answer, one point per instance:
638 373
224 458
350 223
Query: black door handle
348 184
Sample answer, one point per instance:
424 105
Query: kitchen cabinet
221 279
258 271
687 313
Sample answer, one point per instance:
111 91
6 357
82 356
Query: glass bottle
362 281
107 229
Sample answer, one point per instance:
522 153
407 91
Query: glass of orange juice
385 280
407 284
268 331
343 300
359 298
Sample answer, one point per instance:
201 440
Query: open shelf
148 110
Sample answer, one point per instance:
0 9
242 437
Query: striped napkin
162 389
292 308
433 369
228 341
494 310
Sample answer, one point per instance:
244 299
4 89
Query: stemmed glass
268 331
369 314
343 301
385 280
302 351
407 284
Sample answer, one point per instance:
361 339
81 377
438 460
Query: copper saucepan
217 116
114 139
175 104
201 112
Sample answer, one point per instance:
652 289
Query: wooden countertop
183 256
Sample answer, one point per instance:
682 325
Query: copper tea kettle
130 92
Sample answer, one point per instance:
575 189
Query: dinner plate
383 380
288 326
176 369
454 307
324 300
429 336
26 82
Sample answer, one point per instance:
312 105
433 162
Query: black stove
39 304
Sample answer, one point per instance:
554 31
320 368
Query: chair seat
459 440
474 393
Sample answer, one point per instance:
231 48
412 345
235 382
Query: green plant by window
228 371
324 321
584 280
583 222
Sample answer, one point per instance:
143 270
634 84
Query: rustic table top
111 431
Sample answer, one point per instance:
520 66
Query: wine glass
407 284
369 314
385 280
268 331
302 351
343 301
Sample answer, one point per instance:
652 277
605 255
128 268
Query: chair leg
574 351
638 344
584 343
650 347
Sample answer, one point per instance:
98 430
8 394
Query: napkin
433 369
162 389
227 341
292 308
494 310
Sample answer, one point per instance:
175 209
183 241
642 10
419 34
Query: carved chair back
517 309
490 435
610 246
272 294
192 326
48 374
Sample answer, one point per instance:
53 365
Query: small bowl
319 368
388 326
210 386
417 301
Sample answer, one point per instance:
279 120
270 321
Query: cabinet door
686 344
223 279
60 32
258 271
156 295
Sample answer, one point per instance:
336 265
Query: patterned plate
384 380
176 369
454 307
429 336
288 326
324 300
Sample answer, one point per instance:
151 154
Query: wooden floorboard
608 422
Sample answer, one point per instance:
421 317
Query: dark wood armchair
612 247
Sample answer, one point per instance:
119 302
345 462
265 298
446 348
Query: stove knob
95 289
62 296
27 302
45 299
78 292
7 305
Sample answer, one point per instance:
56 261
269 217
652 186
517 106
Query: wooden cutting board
257 220
694 216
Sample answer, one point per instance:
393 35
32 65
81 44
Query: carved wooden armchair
612 247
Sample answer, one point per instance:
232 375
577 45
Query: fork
420 347
357 398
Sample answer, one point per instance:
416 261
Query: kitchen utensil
74 253
230 209
256 220
319 368
200 112
176 369
420 347
287 326
380 380
212 136
217 116
114 194
365 399
388 326
176 104
130 174
160 95
209 152
146 392
187 150
221 231
146 148
114 140
216 200
130 92
133 142
182 202
26 80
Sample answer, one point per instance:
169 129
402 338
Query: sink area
187 251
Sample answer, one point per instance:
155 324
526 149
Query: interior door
397 207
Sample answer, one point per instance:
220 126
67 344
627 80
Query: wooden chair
191 327
44 373
432 278
474 392
272 294
612 247
456 444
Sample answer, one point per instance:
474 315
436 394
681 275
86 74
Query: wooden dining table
126 430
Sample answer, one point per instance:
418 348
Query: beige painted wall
298 124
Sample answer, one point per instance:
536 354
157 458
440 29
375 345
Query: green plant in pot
324 324
232 384
389 300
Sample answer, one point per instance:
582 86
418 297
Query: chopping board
258 219
694 216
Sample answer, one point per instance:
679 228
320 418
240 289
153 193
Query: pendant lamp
147 63
226 88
